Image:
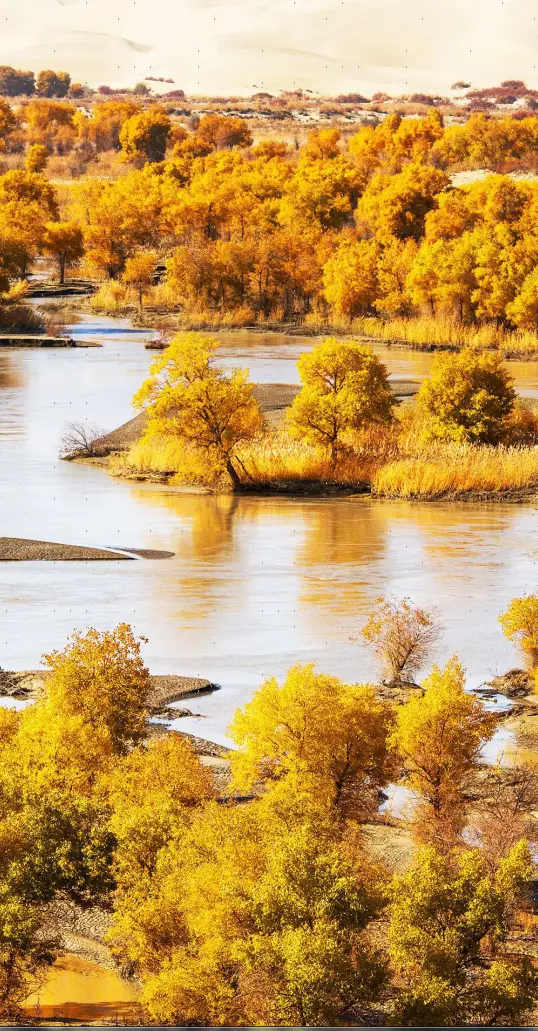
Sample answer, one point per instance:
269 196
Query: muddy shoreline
23 549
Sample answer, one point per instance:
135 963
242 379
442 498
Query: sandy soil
18 549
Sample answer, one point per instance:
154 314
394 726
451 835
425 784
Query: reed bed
279 458
420 333
150 455
426 333
454 471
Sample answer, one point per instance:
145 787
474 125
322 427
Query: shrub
468 397
402 636
520 624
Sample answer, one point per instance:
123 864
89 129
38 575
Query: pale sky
239 46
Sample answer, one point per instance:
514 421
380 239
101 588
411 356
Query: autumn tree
37 157
523 309
402 636
188 396
350 278
397 205
223 131
77 90
144 136
104 126
153 792
520 624
50 123
65 242
345 386
16 83
505 814
53 84
449 916
27 202
140 272
468 397
101 678
317 733
439 735
117 218
27 952
282 936
55 844
394 265
8 123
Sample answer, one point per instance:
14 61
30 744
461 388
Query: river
255 584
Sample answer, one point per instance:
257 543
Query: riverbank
28 685
21 549
276 465
421 334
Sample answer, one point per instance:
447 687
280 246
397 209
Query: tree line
339 229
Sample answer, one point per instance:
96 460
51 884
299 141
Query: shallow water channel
255 584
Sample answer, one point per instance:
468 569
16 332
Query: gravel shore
27 685
19 549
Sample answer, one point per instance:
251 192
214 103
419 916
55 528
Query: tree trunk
62 269
334 453
232 473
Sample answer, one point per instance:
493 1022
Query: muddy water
80 990
255 583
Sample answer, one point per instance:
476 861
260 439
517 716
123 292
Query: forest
362 231
283 894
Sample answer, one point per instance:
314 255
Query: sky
240 46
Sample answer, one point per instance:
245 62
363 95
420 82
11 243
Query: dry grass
420 333
452 471
277 458
425 333
110 299
395 462
150 455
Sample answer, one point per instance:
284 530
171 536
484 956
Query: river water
255 584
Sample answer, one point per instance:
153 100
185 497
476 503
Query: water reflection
81 990
256 583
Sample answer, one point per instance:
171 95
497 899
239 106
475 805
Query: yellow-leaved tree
468 397
439 736
65 242
188 396
253 918
101 677
449 915
320 736
153 792
144 136
345 386
140 272
520 624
